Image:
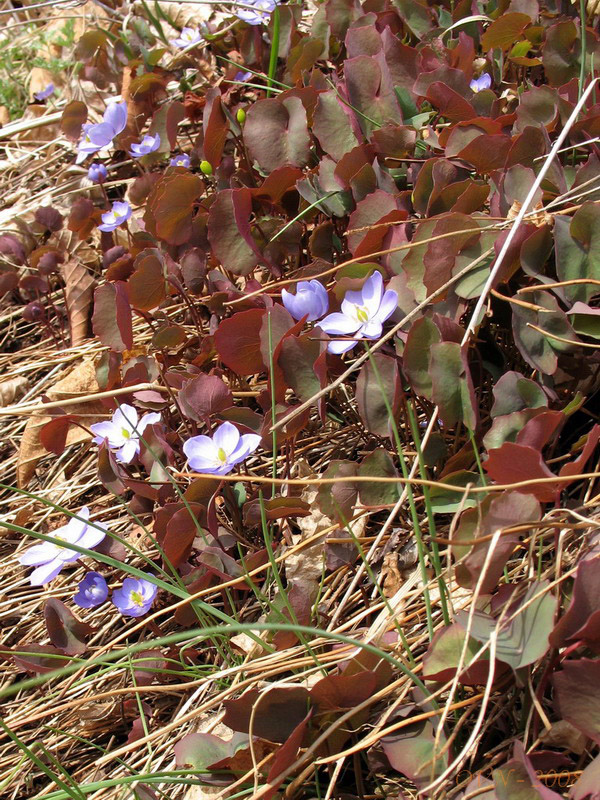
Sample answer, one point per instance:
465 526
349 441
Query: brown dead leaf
11 390
182 14
4 115
79 291
391 575
80 381
43 133
563 734
539 219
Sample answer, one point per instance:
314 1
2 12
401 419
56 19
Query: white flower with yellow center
219 455
362 314
123 431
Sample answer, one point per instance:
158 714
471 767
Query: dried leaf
79 291
79 381
11 390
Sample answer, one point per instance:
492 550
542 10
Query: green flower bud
241 116
206 167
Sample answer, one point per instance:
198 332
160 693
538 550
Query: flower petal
129 451
341 346
247 445
148 419
92 536
372 329
100 135
226 437
389 303
371 293
46 572
116 116
39 554
339 324
126 416
106 430
200 447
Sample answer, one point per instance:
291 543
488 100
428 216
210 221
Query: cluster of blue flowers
361 317
133 599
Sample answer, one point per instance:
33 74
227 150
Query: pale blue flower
45 93
264 8
362 315
92 591
148 145
310 298
219 455
483 82
96 137
50 558
187 38
119 213
182 160
135 597
97 173
123 431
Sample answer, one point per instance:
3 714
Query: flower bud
33 312
206 167
241 116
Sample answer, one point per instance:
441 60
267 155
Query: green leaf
378 463
524 640
452 385
446 501
577 243
377 389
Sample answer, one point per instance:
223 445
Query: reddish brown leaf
215 128
203 396
513 463
280 711
170 206
577 466
65 630
36 658
505 31
182 529
111 320
581 621
343 691
53 435
73 117
285 756
147 287
237 340
229 231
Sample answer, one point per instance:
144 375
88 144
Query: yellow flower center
125 433
137 598
60 538
221 455
362 314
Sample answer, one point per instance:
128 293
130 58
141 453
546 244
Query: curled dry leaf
79 290
12 390
81 380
